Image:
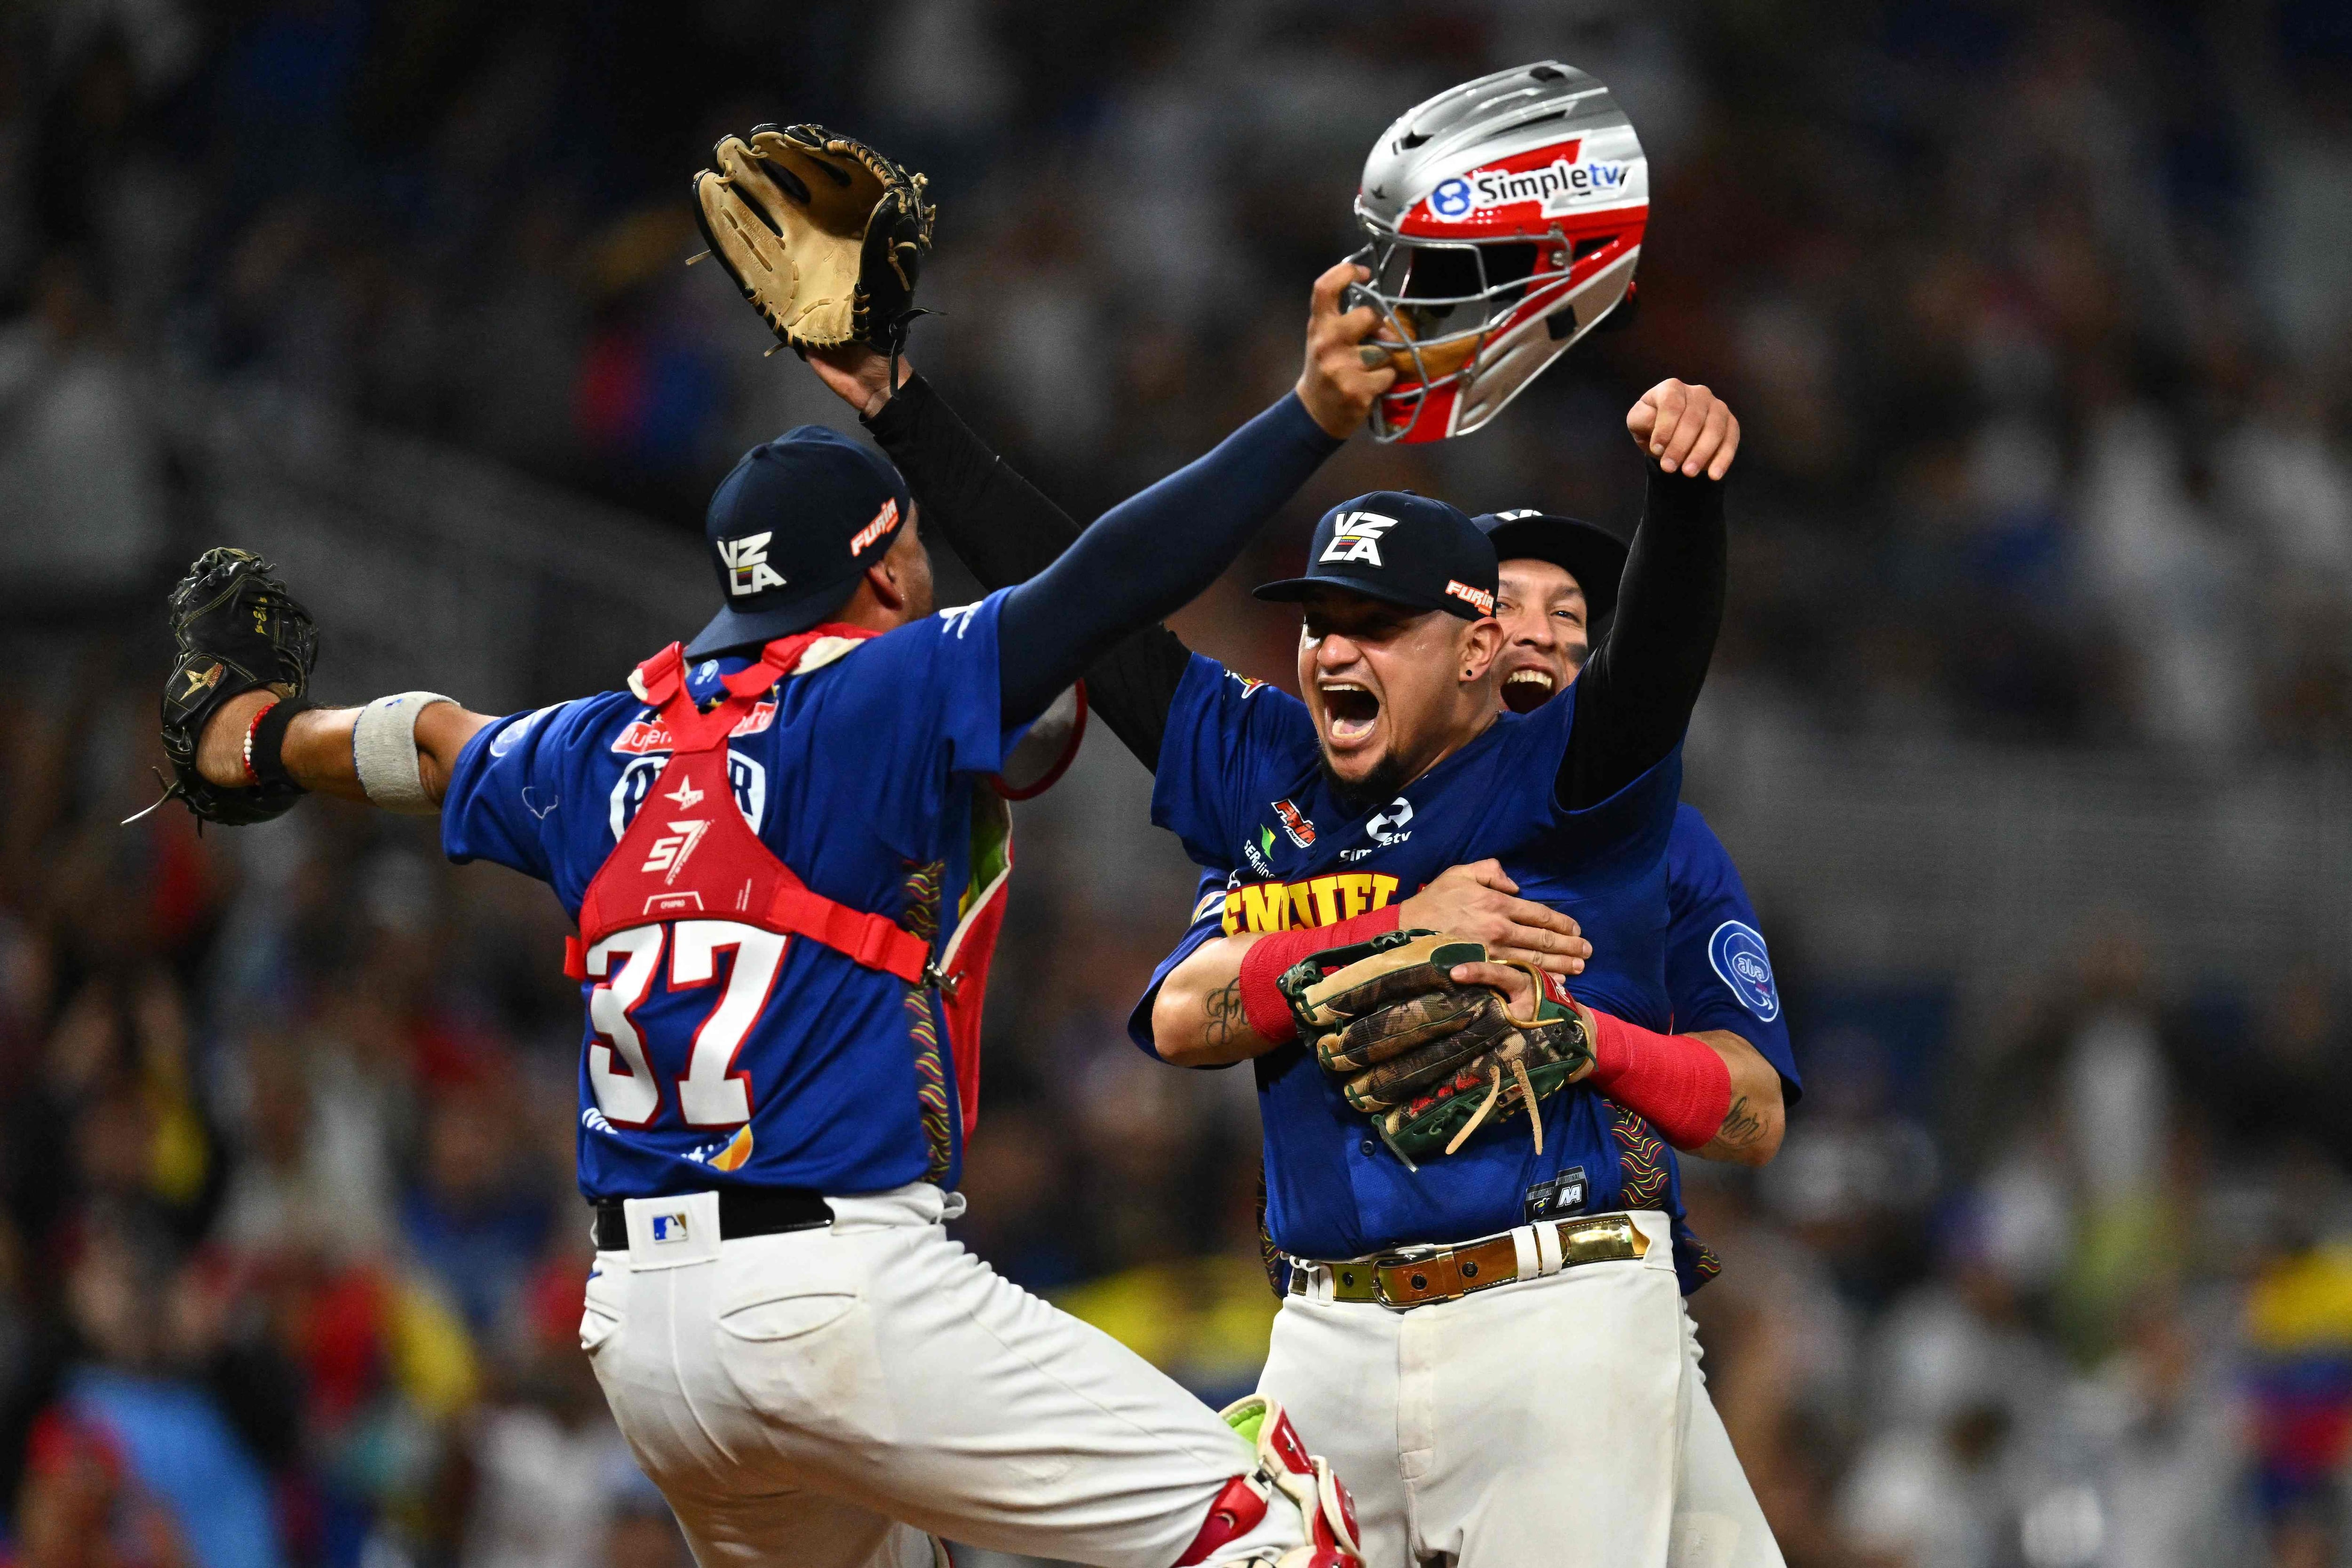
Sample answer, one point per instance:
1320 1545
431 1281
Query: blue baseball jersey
1240 782
708 1062
1718 976
1718 971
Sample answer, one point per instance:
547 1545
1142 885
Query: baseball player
1711 980
768 840
1479 1483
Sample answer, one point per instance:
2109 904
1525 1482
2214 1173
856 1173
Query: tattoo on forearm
1224 1014
1740 1125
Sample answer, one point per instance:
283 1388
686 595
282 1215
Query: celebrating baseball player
780 843
1466 1466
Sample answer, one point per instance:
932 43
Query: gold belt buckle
1606 1238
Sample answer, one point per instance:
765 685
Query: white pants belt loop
1548 1248
1523 1243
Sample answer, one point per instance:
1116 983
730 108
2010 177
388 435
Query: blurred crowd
2039 319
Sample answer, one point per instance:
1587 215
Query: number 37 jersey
716 1052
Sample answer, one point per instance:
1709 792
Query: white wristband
384 752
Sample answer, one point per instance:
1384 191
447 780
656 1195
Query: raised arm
1003 528
1154 553
1633 700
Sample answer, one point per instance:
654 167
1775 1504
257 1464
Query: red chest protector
688 854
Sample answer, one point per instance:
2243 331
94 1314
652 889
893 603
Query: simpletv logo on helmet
1559 185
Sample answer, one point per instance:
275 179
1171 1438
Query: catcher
780 843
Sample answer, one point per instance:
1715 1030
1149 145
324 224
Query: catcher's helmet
1505 218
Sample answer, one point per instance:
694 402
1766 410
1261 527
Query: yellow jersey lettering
1265 907
1260 907
1355 888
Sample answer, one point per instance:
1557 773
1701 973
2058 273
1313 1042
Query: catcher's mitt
824 235
1428 1059
236 628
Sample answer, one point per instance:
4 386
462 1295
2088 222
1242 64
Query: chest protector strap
689 853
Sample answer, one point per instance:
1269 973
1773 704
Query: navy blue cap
791 529
1585 551
1401 548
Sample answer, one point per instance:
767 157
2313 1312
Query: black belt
742 1211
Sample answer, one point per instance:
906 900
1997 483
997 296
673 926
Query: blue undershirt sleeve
1152 554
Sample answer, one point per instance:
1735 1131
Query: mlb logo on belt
669 1227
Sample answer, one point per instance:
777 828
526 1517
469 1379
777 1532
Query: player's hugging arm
1752 1128
1215 1007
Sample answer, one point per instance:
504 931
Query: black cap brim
733 628
1594 558
1291 590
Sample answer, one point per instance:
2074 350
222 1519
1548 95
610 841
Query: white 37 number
712 1093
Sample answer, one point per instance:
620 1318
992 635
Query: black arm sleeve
1007 532
1634 699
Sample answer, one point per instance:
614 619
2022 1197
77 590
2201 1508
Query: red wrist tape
1675 1082
1263 1003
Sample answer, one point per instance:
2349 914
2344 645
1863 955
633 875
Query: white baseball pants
1561 1422
826 1398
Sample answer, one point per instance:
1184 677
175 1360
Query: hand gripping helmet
1506 218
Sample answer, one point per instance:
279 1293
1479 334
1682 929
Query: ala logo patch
1388 826
1737 951
1357 537
637 780
746 560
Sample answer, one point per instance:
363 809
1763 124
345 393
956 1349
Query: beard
1380 787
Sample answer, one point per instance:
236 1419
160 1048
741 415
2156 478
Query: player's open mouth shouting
1529 680
1350 710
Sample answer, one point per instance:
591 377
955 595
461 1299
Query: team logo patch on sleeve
1737 951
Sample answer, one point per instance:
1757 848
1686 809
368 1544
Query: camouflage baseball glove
236 628
1429 1059
824 235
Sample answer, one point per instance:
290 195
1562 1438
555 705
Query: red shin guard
1676 1082
1236 1513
